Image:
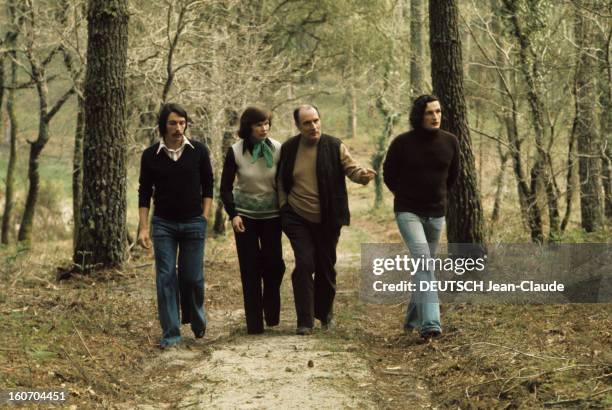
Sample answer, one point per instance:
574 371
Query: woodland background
525 84
532 109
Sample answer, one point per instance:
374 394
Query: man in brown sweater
314 206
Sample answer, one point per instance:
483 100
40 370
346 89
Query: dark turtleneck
420 167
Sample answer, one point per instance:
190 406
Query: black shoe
200 334
431 334
303 331
329 325
255 331
173 346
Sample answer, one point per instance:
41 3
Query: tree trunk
172 46
589 156
228 140
532 75
2 86
416 48
571 166
36 147
530 210
605 100
465 219
219 223
10 170
351 94
379 156
501 185
390 119
351 100
607 177
102 232
77 169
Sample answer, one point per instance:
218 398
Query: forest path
277 369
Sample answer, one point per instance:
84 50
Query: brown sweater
304 195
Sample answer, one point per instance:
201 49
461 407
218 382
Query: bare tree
69 15
15 20
547 51
604 80
531 70
589 161
38 61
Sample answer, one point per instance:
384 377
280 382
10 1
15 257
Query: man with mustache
314 206
177 173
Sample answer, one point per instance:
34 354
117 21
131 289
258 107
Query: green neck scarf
261 149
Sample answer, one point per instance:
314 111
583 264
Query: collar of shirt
174 154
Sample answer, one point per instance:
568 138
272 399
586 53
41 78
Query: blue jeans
421 235
185 286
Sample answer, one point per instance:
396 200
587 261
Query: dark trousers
260 255
314 247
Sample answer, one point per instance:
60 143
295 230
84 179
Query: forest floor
96 337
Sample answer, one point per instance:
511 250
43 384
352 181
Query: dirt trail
275 370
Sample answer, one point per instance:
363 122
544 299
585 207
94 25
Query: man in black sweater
177 173
421 167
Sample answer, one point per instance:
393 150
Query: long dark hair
164 113
418 109
250 116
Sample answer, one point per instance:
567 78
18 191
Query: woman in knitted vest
248 192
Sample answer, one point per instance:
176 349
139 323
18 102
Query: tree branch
59 104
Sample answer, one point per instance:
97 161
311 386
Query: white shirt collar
162 145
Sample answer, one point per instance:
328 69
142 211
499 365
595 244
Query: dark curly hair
418 109
165 112
250 116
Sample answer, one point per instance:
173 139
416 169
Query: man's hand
366 176
237 224
143 238
206 204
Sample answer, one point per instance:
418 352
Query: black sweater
421 166
177 187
